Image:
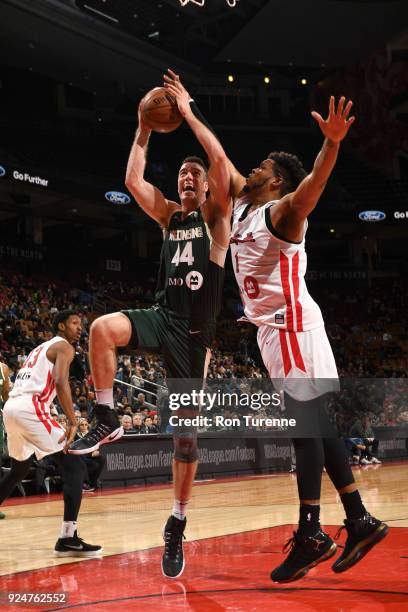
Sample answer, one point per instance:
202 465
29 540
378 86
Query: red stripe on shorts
285 352
40 414
295 281
284 272
44 397
297 355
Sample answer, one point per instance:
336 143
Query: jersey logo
251 287
280 319
194 280
186 234
236 238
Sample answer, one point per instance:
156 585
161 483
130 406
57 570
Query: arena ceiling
127 44
123 56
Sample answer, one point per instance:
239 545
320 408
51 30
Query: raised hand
175 87
337 124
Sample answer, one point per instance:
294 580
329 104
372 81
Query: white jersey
29 425
35 378
270 272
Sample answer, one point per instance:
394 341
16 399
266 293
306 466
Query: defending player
270 215
31 429
182 325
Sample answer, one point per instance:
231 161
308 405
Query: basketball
159 110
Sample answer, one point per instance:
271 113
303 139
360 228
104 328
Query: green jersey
183 263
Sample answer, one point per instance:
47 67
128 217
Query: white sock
105 396
68 529
179 509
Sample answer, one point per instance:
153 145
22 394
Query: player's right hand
68 436
174 86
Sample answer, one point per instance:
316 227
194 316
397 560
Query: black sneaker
362 534
87 488
173 557
75 547
304 553
107 429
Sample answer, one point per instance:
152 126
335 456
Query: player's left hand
337 124
174 86
68 436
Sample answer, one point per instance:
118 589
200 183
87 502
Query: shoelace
172 543
366 519
290 544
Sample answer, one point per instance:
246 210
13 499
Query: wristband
200 117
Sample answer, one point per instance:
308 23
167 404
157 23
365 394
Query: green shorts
158 330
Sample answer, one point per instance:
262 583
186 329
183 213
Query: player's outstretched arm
207 138
147 195
335 128
64 354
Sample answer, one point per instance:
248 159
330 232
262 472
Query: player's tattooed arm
149 198
334 128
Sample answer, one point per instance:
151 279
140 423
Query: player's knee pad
185 447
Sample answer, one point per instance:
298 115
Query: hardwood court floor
235 531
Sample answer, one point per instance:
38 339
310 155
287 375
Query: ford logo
116 197
372 215
2 171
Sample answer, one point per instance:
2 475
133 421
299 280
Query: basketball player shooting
31 429
271 207
182 325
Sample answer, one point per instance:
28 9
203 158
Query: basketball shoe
362 534
107 429
304 553
173 557
75 547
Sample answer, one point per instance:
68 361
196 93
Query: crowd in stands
367 338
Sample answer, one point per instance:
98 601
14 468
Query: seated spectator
83 406
362 430
139 404
151 429
127 424
127 409
356 446
156 420
138 425
62 420
94 462
83 428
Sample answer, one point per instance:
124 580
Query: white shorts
27 433
300 363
